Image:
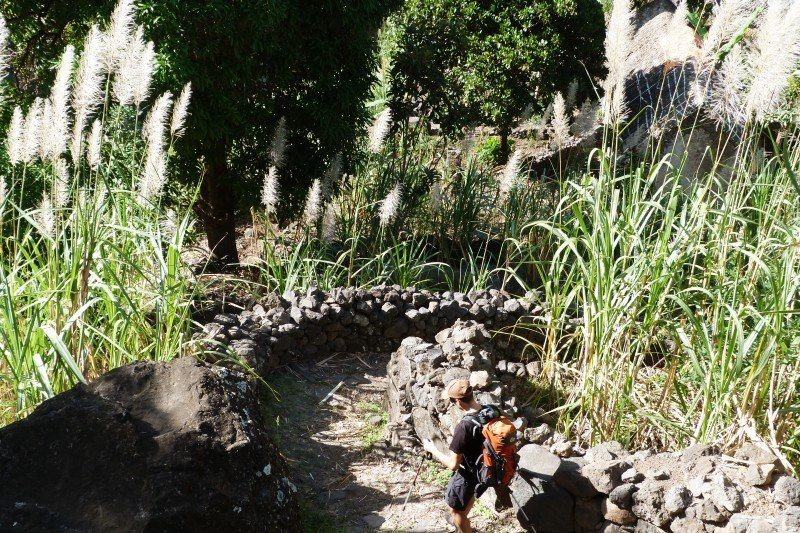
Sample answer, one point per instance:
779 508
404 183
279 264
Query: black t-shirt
467 441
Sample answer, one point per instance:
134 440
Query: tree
250 62
463 62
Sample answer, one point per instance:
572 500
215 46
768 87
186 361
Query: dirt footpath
348 477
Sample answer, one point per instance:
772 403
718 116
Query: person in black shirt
465 450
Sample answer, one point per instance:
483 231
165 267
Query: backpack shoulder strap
474 424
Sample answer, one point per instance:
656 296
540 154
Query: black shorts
460 490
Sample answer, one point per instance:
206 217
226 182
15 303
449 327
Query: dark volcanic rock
148 447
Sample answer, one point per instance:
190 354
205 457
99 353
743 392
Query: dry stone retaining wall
316 323
562 487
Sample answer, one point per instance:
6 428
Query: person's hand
429 446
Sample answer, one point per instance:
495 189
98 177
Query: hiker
465 451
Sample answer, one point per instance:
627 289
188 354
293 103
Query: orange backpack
498 463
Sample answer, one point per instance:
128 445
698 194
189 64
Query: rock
360 320
706 511
539 434
373 520
588 515
512 307
725 494
605 475
617 514
610 527
696 451
759 475
787 491
788 520
455 372
539 503
533 369
534 460
643 526
570 478
606 451
742 523
688 525
648 504
631 475
677 498
399 328
146 447
756 454
622 496
479 379
562 449
659 475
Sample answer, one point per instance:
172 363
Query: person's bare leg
461 520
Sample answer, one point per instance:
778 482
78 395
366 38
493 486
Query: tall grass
91 275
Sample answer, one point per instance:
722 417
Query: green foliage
470 61
372 433
489 151
251 62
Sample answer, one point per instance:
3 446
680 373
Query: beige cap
458 388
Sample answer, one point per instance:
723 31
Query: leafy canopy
464 62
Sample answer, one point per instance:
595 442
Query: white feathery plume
15 136
144 74
725 100
774 58
61 183
127 67
151 182
180 111
154 176
3 190
619 38
116 37
45 142
154 127
31 132
330 227
169 225
546 115
729 17
45 218
586 119
3 43
511 173
277 151
560 124
55 123
134 75
88 87
678 41
572 95
270 191
313 203
379 130
93 151
390 205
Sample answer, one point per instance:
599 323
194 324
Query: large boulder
176 446
539 503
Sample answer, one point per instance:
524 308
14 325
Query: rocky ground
348 478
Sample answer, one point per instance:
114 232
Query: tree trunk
505 149
216 206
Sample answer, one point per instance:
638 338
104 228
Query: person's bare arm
449 459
